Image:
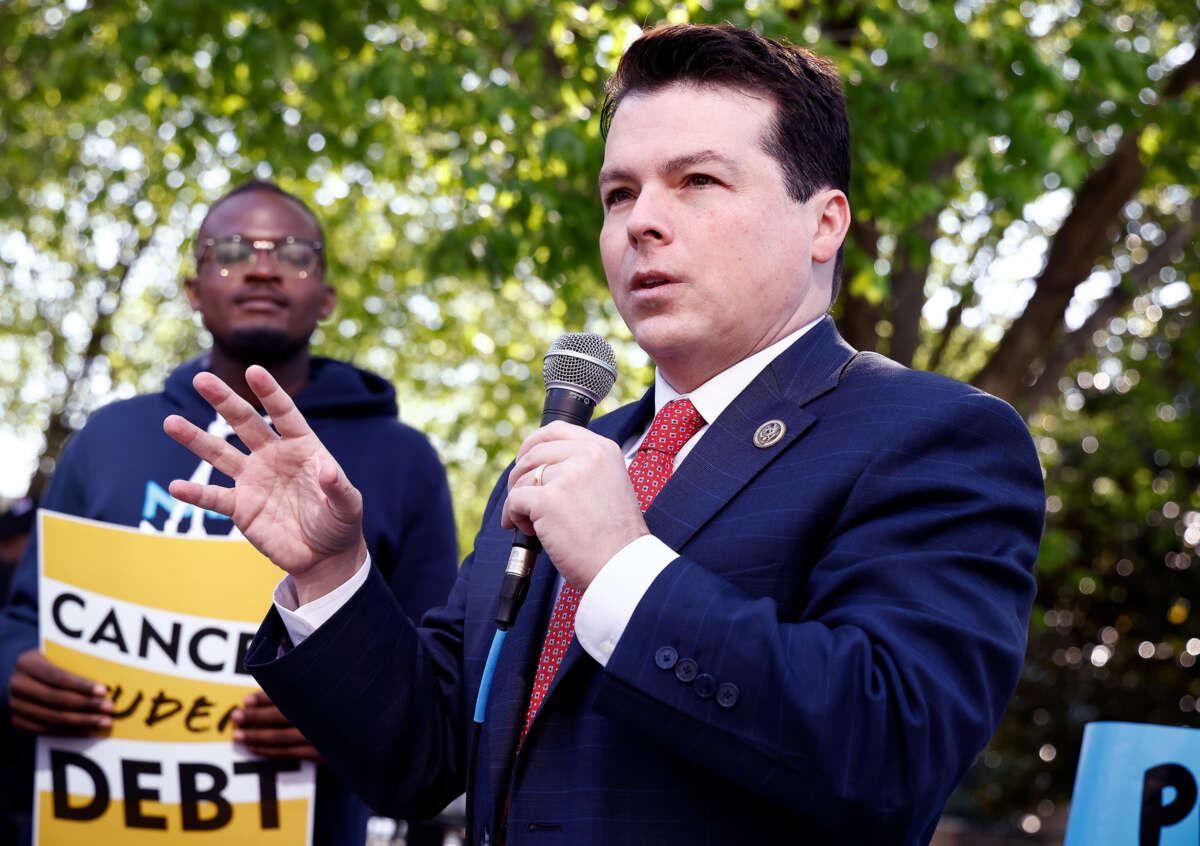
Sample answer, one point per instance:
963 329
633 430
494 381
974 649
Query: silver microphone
579 369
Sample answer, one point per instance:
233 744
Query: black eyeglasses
298 253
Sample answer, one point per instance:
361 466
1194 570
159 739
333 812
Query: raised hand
290 498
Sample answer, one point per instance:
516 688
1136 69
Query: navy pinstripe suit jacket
846 622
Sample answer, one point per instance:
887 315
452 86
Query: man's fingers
260 716
246 422
265 731
550 453
524 486
555 443
208 497
216 451
516 510
298 750
25 688
345 501
36 665
287 736
556 431
56 719
28 725
255 698
287 418
37 727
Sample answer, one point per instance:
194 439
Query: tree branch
859 315
908 293
1083 236
59 429
1077 342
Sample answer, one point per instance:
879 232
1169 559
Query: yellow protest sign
164 621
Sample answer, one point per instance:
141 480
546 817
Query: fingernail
99 690
104 722
237 716
248 699
239 735
105 705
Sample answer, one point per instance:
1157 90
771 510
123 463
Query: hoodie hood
335 389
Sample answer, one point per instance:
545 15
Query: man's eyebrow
614 174
701 157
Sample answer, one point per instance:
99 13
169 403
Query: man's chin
666 337
260 345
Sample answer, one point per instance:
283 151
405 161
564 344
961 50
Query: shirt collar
715 395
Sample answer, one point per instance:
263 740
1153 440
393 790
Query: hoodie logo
157 498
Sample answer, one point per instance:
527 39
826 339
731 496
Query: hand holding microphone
558 468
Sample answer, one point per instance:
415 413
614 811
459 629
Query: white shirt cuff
302 620
610 600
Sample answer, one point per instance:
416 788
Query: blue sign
1136 786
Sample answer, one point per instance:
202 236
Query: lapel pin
769 434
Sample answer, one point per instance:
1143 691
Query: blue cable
485 684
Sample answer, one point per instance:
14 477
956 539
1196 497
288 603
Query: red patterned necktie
673 426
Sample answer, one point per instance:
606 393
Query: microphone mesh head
582 362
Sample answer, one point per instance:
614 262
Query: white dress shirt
610 600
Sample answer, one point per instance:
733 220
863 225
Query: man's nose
263 265
649 220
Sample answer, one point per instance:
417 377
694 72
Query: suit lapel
726 458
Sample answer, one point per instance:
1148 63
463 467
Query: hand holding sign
266 731
47 699
290 498
165 622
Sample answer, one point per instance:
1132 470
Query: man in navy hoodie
260 288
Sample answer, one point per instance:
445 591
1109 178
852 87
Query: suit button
727 695
666 657
705 686
686 670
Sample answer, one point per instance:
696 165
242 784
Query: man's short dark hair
811 135
263 185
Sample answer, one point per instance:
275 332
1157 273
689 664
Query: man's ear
833 221
190 286
328 301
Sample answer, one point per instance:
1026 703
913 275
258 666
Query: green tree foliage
447 149
1026 198
1114 634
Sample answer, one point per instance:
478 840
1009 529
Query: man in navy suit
815 623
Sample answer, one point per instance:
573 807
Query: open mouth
650 280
